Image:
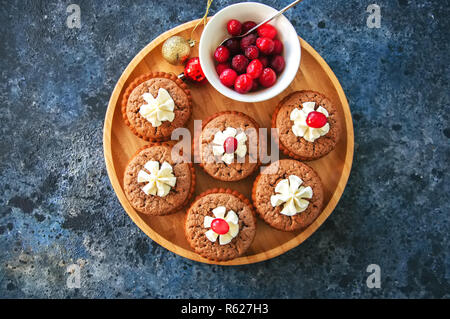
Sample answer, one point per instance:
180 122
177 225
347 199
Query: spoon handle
275 15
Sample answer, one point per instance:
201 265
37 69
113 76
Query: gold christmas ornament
176 50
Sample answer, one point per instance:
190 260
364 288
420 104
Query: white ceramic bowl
216 31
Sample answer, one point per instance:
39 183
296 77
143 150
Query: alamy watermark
374 18
74 19
374 279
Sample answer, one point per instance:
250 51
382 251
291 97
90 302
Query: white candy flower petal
234 230
207 221
308 106
143 177
211 235
322 110
228 158
230 132
159 181
225 239
219 138
218 150
232 217
241 150
241 137
219 212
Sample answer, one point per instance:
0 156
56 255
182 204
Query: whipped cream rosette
159 180
159 109
291 195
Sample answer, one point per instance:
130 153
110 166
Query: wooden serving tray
120 144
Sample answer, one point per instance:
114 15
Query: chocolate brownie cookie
157 184
288 195
220 225
308 125
156 104
228 146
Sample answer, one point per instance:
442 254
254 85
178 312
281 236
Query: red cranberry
221 54
267 78
234 27
265 44
227 77
239 63
248 40
267 30
222 67
278 47
247 25
230 145
251 52
243 83
220 226
264 60
277 63
316 119
254 69
233 45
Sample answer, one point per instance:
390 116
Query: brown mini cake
228 146
155 104
157 184
308 125
288 195
220 224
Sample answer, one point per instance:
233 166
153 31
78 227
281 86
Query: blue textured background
57 206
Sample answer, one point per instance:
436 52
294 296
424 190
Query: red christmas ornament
193 71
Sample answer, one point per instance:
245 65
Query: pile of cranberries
251 62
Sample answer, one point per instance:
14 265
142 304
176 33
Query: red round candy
230 145
316 119
222 67
277 63
222 54
247 25
243 83
268 31
277 47
251 52
239 63
267 78
227 77
234 27
265 45
220 226
254 69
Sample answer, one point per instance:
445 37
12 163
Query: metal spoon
265 21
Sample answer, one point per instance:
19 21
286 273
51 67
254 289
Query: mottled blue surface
57 206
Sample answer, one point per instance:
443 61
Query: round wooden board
120 144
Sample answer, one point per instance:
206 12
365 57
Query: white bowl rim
257 96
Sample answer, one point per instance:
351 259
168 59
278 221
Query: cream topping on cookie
159 181
292 195
219 148
158 110
217 222
301 128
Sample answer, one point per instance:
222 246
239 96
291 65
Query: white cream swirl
159 181
301 129
219 140
159 109
292 195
